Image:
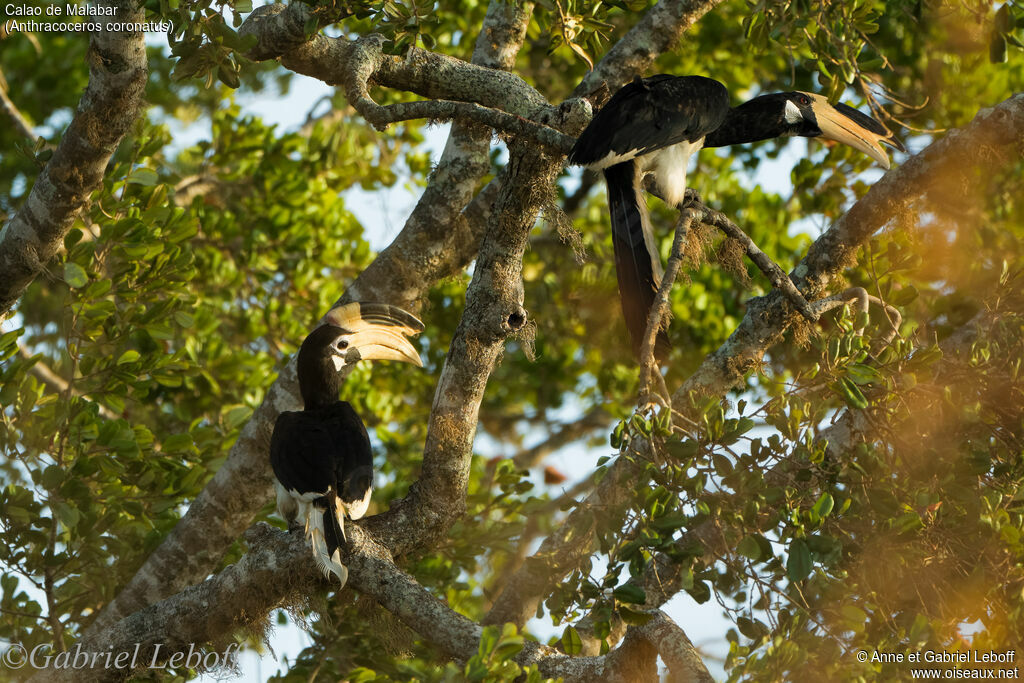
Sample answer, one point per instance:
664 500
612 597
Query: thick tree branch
277 572
437 241
995 134
994 139
367 58
493 312
354 64
110 104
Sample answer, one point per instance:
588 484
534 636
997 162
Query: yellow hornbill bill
321 455
653 125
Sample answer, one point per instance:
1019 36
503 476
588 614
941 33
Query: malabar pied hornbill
321 455
653 125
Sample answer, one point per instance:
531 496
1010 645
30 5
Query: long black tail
327 533
637 263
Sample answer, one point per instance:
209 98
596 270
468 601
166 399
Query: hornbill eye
804 100
342 344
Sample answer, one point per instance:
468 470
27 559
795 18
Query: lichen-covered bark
494 311
439 239
343 62
275 571
110 104
995 137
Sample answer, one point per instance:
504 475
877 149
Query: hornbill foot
691 198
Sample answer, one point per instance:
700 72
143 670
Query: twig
660 308
44 373
862 299
366 58
14 113
776 276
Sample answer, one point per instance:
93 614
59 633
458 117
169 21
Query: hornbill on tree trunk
321 455
653 125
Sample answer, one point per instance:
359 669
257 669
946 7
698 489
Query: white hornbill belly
654 125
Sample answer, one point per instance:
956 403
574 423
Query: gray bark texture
109 106
426 250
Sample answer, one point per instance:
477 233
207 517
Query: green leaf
671 521
572 644
798 564
630 593
488 639
853 617
862 374
634 617
142 176
903 296
752 629
749 547
52 477
1003 23
824 505
509 644
9 338
235 416
997 49
129 356
682 450
184 319
75 275
228 75
700 592
68 515
851 394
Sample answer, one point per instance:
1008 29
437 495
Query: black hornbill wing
643 117
650 114
354 472
323 461
314 451
302 454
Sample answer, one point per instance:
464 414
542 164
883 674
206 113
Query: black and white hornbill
321 455
653 125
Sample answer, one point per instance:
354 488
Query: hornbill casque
653 125
321 455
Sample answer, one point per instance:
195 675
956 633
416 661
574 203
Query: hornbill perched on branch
321 455
653 125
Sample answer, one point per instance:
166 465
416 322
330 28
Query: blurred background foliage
130 367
